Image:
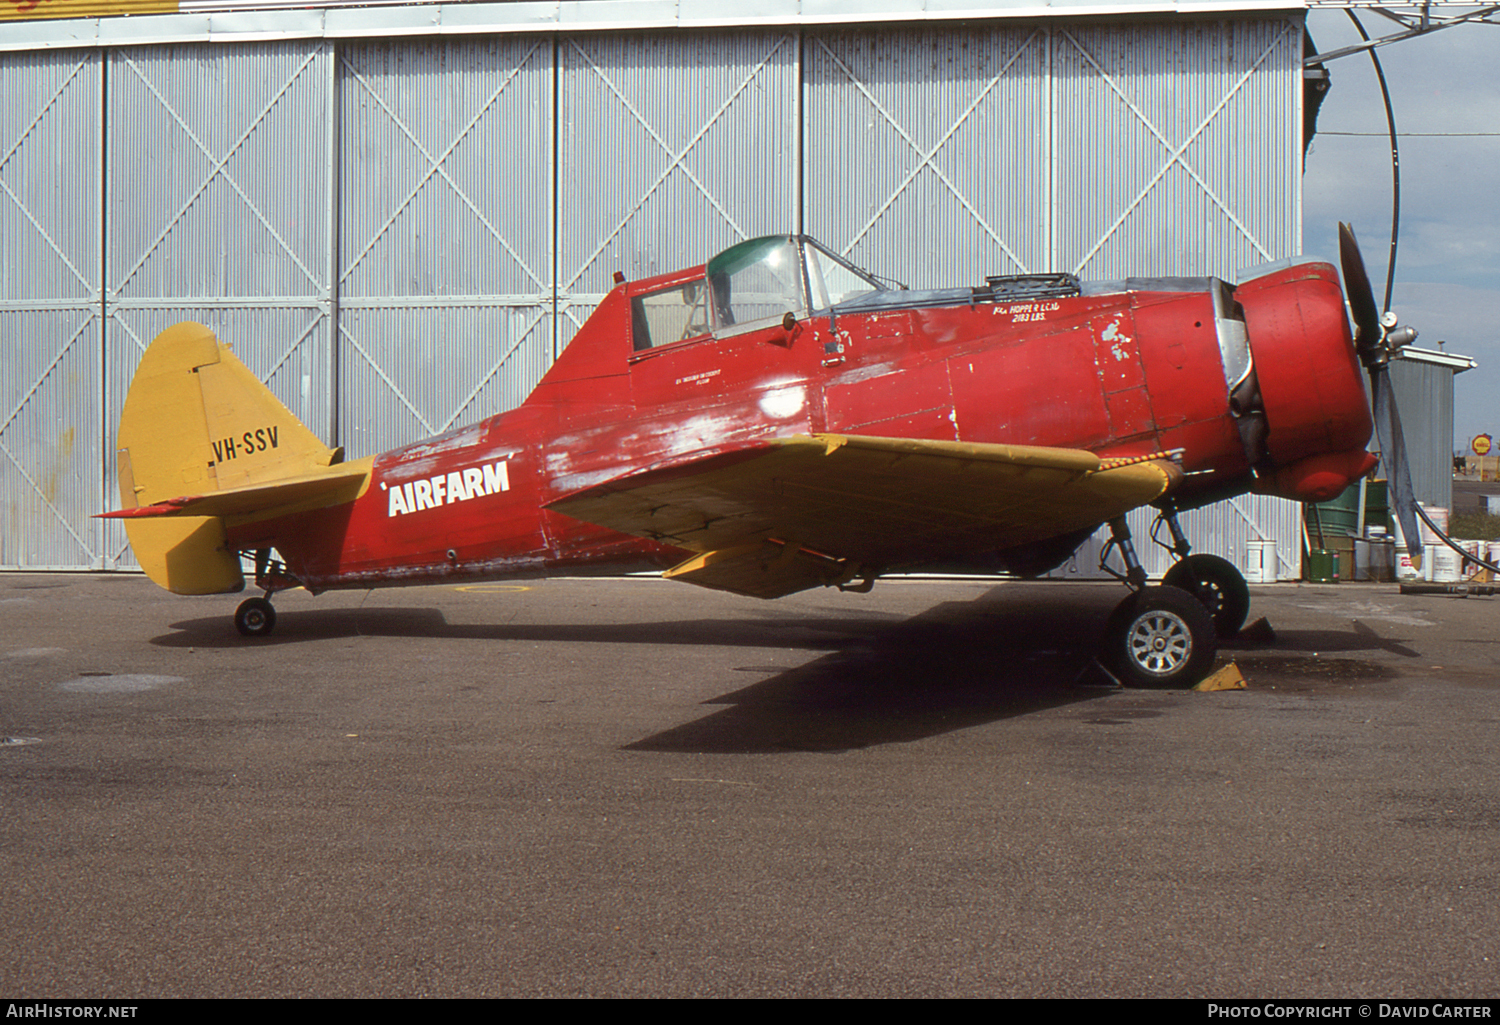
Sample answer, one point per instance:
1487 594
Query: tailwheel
255 617
1218 585
1160 637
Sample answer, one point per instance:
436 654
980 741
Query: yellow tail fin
196 422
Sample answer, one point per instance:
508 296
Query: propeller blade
1393 455
1360 295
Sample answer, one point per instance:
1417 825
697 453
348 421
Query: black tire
1160 637
1219 585
255 617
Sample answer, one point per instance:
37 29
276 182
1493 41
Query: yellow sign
45 10
1482 445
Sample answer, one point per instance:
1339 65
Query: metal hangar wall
398 226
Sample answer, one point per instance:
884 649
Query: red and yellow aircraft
779 419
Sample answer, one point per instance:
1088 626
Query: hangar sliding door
218 194
50 417
1177 146
399 236
445 243
926 160
671 147
1103 150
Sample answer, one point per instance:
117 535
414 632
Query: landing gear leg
1213 581
256 617
1158 636
1119 537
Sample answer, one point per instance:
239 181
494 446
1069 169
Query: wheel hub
1160 642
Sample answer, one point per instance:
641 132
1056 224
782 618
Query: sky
1448 254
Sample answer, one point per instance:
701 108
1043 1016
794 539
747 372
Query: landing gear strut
1213 581
256 617
1158 636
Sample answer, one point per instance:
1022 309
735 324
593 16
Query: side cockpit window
675 314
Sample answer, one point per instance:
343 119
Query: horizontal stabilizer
339 484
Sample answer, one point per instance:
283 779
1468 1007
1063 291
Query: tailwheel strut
256 617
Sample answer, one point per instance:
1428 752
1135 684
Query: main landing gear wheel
1160 637
255 617
1218 585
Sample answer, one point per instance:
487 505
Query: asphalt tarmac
638 788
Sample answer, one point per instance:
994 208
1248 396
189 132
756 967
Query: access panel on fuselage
897 402
1040 386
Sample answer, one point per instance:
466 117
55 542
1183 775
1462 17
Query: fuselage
1250 387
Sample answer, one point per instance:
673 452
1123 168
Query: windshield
760 281
755 281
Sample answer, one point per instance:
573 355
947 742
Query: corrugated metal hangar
399 214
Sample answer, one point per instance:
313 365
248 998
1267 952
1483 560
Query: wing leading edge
782 515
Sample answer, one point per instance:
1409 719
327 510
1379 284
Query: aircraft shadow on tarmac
882 679
957 665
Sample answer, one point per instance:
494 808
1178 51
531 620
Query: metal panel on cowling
445 251
671 147
50 416
219 190
1176 146
926 151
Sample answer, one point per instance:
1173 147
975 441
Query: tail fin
197 422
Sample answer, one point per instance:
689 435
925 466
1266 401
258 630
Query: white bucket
1440 564
1405 568
1260 562
1439 516
1472 550
1492 506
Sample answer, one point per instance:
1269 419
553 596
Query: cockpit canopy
766 278
749 286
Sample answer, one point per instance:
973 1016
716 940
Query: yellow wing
791 513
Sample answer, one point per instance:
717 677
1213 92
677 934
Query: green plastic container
1320 566
1377 507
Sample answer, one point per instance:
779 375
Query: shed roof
1435 357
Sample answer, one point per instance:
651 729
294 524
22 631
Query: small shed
1422 383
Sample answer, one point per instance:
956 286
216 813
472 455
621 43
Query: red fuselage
1119 372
